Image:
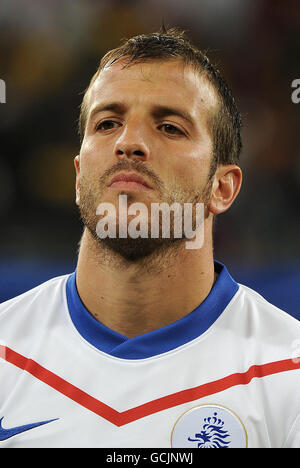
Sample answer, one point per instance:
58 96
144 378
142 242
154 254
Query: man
150 343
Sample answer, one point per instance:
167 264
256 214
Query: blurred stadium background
48 52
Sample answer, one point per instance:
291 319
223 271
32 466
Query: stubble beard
141 249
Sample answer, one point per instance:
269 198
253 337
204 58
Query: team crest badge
209 426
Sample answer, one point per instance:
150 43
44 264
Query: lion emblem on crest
212 434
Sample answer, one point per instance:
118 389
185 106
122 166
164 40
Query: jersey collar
158 341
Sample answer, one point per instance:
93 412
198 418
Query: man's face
151 120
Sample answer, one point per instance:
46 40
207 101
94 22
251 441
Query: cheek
192 168
92 158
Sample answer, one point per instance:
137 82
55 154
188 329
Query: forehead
154 82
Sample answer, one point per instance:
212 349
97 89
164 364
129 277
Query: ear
226 186
77 186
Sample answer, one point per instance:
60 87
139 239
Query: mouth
129 181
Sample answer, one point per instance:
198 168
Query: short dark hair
225 123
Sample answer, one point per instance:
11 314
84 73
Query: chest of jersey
172 401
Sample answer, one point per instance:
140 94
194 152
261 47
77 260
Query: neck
133 298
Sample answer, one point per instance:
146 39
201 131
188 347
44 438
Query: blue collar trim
158 341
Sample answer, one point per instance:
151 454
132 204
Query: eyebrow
116 107
158 111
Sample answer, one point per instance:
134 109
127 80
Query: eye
107 125
171 129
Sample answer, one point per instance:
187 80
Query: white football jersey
227 375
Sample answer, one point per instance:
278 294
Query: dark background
48 52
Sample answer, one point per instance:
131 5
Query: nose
132 143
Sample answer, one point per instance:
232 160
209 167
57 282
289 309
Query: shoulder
256 303
42 295
264 322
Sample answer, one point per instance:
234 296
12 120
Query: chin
133 250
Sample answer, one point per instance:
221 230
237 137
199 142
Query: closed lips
129 178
